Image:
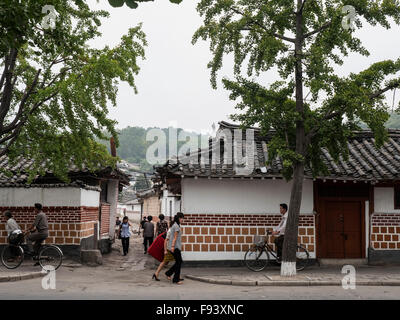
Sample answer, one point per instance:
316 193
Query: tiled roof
365 161
15 174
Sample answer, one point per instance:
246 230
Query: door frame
321 222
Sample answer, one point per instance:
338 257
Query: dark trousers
125 244
279 244
176 268
147 241
38 238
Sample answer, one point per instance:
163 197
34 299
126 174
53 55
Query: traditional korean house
80 213
351 213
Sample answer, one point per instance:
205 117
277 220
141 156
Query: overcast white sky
174 82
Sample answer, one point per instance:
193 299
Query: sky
174 81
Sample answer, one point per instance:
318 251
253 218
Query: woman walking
162 225
125 234
175 246
168 256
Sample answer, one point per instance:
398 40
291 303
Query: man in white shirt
279 231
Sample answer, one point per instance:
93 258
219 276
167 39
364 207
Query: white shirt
282 225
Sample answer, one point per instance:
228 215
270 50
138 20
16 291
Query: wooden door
342 229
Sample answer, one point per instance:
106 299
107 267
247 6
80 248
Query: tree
304 40
55 88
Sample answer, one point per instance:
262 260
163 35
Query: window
397 196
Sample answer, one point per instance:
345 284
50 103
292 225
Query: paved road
130 278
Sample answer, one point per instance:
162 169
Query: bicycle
258 256
49 256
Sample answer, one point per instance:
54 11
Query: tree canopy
55 88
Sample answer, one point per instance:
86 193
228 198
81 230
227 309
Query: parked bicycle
258 256
49 256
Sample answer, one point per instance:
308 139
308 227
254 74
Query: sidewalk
28 271
313 276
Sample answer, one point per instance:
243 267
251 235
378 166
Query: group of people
172 242
36 233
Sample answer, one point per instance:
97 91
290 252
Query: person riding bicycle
39 230
14 232
280 230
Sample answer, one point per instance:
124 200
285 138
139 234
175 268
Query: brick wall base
235 233
385 231
67 225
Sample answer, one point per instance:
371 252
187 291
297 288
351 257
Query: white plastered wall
241 196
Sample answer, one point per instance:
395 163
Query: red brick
221 231
204 247
232 239
383 229
207 239
221 247
200 239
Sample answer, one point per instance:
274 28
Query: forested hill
392 123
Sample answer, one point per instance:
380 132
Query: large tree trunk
288 267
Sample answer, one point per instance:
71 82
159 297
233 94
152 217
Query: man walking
39 230
148 233
280 231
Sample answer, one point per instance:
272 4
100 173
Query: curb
292 283
26 276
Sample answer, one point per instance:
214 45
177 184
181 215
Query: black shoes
155 277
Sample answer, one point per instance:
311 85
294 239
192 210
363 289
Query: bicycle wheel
302 258
256 259
12 256
50 258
